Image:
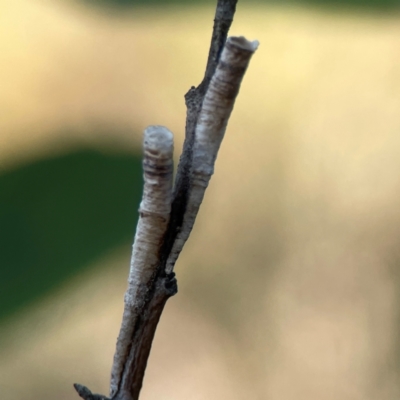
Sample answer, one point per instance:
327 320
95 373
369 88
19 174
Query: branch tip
86 394
243 43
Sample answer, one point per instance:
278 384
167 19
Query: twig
211 125
154 214
86 394
194 99
164 228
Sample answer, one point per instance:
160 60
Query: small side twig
86 394
165 225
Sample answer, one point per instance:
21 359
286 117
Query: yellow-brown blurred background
289 287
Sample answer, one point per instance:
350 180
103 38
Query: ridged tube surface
154 214
210 129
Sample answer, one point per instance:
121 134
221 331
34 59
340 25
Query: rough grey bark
209 132
166 219
154 214
194 99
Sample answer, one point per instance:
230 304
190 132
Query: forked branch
165 218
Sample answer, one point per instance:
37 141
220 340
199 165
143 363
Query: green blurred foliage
59 214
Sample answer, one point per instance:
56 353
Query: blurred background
289 287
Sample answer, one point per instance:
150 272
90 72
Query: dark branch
143 335
194 100
222 22
162 286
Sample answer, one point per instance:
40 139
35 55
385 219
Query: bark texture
154 214
210 129
166 219
194 99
